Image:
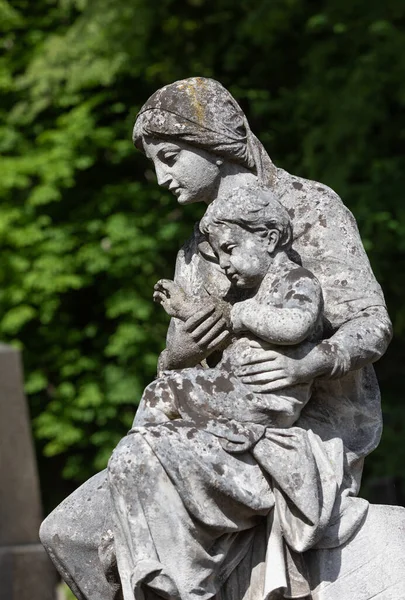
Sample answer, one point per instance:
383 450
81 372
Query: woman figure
204 517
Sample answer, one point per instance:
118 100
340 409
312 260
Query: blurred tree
84 231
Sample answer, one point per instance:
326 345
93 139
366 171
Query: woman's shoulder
287 183
309 202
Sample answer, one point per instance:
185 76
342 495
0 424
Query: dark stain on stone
191 434
150 397
218 469
307 227
297 185
302 298
224 384
299 273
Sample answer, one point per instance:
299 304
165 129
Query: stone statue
281 303
240 475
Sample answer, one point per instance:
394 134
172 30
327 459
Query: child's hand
173 299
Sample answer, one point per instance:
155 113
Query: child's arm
174 300
289 322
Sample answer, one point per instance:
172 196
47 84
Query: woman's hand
208 327
265 369
189 342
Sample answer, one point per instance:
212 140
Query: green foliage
84 231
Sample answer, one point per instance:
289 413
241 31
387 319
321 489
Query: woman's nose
163 175
224 262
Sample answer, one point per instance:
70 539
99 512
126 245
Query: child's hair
252 207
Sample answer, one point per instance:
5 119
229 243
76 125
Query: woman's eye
170 157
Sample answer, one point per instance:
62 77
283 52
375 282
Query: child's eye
229 247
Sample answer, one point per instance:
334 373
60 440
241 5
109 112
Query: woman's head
200 116
199 112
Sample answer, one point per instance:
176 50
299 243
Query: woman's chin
184 197
240 283
186 201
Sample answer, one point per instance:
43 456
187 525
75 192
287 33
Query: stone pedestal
25 570
369 566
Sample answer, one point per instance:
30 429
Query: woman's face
191 174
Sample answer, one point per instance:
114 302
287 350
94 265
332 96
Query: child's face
242 254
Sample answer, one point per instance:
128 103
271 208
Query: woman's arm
328 242
359 342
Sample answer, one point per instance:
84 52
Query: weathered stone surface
72 537
25 570
26 573
245 456
370 565
20 508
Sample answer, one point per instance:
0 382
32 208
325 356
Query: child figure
274 300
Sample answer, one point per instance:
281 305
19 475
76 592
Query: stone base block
369 566
26 573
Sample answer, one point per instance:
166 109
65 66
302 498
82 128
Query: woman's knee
70 524
49 530
158 403
128 459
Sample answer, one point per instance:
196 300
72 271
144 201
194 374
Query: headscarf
202 113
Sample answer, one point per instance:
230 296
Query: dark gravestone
25 570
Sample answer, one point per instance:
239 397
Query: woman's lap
184 509
202 472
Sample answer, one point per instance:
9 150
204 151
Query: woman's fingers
257 368
261 345
212 333
193 322
261 378
259 356
205 328
218 340
270 387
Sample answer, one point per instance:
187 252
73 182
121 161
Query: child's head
247 229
